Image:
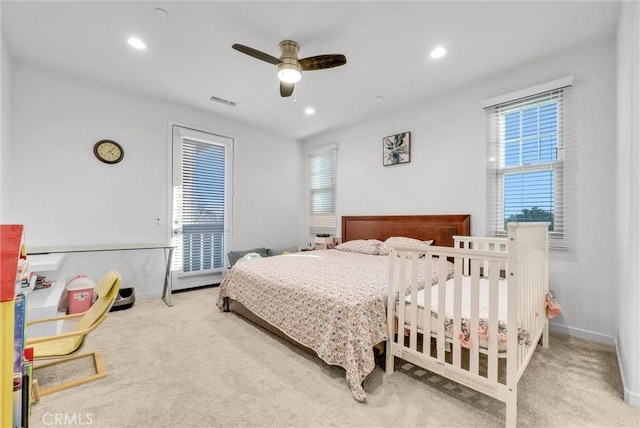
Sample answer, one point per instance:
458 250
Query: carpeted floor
194 366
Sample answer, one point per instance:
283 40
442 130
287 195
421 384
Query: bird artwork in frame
396 149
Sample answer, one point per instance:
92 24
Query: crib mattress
466 308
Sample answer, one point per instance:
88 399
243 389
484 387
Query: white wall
365 186
64 196
5 122
628 218
447 173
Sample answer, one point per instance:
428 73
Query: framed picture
396 149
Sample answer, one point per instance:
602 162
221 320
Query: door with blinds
201 206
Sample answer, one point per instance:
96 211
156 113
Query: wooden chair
65 347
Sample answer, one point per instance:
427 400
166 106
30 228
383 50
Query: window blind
201 201
322 173
527 174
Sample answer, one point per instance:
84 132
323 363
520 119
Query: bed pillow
234 256
279 251
385 248
363 246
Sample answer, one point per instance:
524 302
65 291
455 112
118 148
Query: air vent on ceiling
223 101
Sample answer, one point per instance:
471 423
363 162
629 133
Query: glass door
201 206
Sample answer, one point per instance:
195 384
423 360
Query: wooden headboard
440 228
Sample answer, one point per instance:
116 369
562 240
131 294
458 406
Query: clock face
108 151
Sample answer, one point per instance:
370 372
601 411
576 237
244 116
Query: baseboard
631 398
582 334
158 294
149 295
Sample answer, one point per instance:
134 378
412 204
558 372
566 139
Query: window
322 173
526 167
201 201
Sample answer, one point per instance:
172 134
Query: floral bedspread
328 300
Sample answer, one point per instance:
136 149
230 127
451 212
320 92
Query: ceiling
387 43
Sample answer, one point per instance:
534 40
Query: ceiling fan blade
322 61
256 54
286 89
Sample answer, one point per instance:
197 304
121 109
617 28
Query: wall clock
108 151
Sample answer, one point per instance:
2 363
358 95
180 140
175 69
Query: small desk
168 253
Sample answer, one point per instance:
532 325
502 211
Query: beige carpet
194 366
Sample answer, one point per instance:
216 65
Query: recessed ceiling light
438 52
136 43
309 110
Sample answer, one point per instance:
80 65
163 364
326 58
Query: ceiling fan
289 66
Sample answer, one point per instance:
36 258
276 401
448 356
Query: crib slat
402 274
515 353
413 332
474 363
426 314
492 362
442 299
524 295
457 309
391 312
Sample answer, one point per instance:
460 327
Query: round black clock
108 151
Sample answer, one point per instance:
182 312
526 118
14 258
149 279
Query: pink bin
79 294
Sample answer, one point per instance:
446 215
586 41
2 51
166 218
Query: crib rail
456 327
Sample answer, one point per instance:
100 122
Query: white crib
483 270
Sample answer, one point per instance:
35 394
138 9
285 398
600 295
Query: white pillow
385 248
364 246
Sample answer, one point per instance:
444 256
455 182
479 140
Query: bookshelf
7 315
11 251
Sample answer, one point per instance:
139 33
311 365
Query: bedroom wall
5 123
67 197
447 173
628 198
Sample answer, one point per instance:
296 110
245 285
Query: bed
332 303
485 321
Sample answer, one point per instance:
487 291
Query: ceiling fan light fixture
289 71
289 75
289 66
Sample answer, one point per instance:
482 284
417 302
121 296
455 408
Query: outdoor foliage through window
530 148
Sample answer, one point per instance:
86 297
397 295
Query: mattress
466 309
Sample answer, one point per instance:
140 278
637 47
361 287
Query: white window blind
322 209
527 178
201 204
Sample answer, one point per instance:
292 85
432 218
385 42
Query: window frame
201 137
329 224
497 171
